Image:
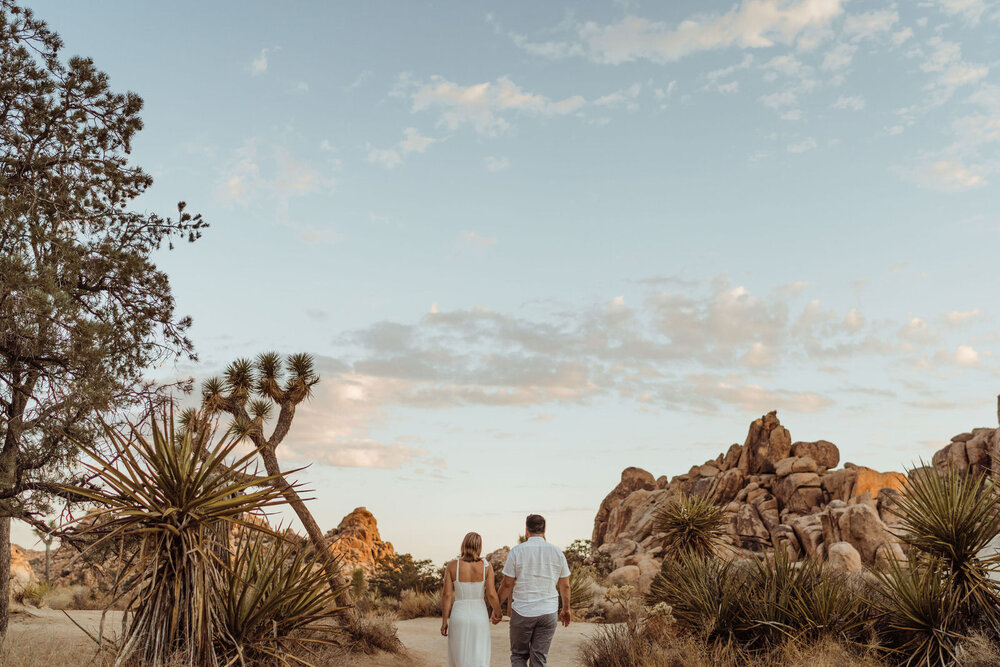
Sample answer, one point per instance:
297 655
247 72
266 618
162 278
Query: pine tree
83 308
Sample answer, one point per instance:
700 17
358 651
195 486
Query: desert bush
32 593
374 632
581 594
690 523
401 572
414 604
582 556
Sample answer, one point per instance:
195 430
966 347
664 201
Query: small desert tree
83 309
250 392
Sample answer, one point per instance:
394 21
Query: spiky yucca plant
271 599
581 594
179 497
951 518
691 523
919 613
708 595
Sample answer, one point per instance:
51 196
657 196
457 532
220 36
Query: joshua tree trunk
4 575
320 545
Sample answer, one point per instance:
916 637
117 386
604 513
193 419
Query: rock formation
21 573
358 542
778 494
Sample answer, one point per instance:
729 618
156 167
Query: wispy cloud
259 64
412 142
484 106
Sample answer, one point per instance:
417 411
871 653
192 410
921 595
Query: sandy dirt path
38 637
45 637
425 647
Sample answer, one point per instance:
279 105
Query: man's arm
563 586
506 588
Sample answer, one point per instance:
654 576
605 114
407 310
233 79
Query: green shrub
400 572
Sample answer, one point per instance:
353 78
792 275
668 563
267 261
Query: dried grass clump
414 604
371 633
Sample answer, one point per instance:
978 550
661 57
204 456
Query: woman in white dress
464 618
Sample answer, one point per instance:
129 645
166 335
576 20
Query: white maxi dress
469 624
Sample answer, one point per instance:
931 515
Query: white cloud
949 175
484 105
853 102
970 10
414 142
390 158
959 317
853 321
386 157
869 25
781 99
624 97
806 144
839 57
752 24
259 64
254 174
966 356
496 163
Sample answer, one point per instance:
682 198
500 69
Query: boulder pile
778 494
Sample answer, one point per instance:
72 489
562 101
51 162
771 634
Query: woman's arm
447 597
491 595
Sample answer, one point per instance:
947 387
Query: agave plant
951 518
178 496
581 595
272 599
691 523
919 612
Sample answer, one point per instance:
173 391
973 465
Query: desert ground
45 637
425 647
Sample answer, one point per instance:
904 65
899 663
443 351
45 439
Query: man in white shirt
535 576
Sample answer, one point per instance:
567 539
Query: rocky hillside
778 494
356 539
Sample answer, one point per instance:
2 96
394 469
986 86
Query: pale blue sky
535 243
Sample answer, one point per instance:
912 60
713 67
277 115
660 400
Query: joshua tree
249 391
47 536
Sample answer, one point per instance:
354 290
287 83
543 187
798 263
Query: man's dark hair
535 524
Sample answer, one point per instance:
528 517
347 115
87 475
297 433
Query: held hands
564 618
444 627
496 617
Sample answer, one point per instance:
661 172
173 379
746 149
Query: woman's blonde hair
472 546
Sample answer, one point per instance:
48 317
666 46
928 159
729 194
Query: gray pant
531 636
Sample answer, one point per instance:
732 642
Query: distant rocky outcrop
778 494
357 541
21 574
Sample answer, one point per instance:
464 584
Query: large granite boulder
823 452
633 479
767 443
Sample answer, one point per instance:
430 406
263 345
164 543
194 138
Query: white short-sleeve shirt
536 566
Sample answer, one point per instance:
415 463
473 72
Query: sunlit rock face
781 494
357 541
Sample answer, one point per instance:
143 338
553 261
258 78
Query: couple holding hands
535 577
